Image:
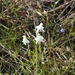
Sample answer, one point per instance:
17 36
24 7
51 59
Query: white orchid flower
39 39
40 28
25 40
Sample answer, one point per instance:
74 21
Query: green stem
40 48
36 61
28 50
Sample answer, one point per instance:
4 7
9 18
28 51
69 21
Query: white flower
40 28
44 12
42 62
39 39
25 40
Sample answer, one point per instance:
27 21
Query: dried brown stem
61 6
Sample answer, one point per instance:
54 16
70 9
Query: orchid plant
40 28
25 40
38 39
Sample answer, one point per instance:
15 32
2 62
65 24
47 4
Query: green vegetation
54 55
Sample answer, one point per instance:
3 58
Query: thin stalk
28 50
40 48
36 61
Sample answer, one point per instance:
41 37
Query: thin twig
61 6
